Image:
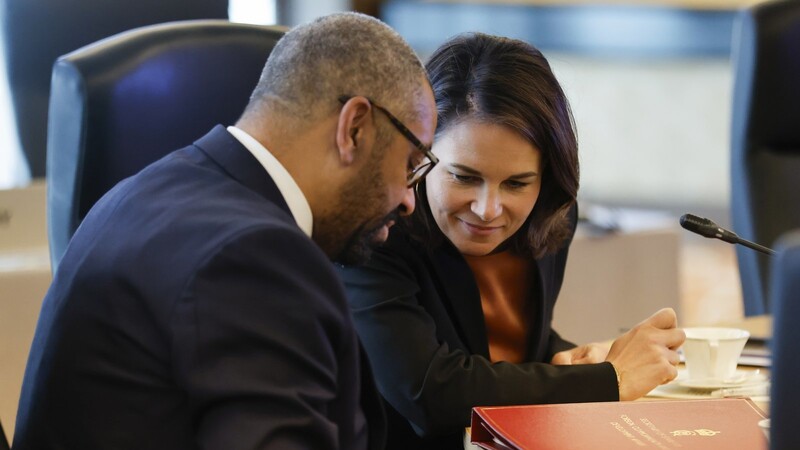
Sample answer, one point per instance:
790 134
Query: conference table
755 362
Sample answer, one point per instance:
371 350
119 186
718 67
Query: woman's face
485 185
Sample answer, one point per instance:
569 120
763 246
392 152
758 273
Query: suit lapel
461 296
550 273
540 316
240 164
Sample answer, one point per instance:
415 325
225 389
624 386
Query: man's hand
585 354
646 355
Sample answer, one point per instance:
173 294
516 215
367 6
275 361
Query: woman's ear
353 118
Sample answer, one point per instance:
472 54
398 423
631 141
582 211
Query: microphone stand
754 246
707 228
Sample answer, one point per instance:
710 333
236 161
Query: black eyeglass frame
416 174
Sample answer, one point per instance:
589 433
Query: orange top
504 281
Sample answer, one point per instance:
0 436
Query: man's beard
358 202
358 249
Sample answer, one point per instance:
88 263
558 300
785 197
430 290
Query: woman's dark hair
496 80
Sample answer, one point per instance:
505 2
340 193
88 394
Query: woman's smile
485 185
479 230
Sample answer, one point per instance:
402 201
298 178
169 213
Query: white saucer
739 379
754 384
676 391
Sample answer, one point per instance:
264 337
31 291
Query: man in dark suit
196 306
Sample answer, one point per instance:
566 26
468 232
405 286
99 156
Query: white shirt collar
298 205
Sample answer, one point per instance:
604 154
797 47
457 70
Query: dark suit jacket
190 311
418 313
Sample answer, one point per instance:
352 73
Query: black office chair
785 392
765 168
36 32
124 102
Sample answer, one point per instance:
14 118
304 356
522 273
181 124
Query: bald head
339 54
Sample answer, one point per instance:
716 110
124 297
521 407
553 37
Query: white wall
300 11
13 168
252 11
654 132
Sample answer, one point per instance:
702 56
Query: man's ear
354 117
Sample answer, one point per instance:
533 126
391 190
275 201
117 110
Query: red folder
729 423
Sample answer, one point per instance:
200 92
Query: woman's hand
585 354
647 356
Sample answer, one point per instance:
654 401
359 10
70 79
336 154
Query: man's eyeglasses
416 172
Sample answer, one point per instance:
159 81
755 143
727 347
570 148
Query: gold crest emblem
698 432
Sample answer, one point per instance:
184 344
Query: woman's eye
464 178
513 184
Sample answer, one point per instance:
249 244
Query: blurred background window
649 81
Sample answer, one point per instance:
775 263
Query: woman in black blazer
455 310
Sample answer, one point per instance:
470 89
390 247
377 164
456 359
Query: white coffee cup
712 353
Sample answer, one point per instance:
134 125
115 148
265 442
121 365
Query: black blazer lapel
550 271
461 296
541 313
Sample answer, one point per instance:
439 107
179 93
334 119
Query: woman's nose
487 206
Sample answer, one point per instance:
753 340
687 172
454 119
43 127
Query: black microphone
707 228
